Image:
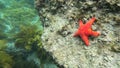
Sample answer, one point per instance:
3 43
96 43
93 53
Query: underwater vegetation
19 15
29 38
3 45
20 35
16 14
2 35
5 60
45 58
20 24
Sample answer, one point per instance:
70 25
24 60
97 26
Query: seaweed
20 23
29 38
19 15
3 45
15 15
5 60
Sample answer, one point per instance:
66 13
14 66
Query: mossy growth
19 3
3 45
2 35
5 60
19 15
29 38
19 12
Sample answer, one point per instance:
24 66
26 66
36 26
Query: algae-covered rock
116 48
60 20
113 1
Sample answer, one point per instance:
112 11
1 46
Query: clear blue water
15 14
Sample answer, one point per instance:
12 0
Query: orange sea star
85 30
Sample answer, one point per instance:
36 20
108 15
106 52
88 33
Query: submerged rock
62 20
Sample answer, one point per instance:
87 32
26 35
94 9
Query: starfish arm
76 34
80 23
90 22
94 33
85 39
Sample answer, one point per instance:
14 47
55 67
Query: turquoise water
20 31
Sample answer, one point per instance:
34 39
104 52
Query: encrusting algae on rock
69 52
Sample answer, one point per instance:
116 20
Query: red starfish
85 30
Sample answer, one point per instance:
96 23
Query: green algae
3 45
2 35
5 60
20 23
19 15
28 37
